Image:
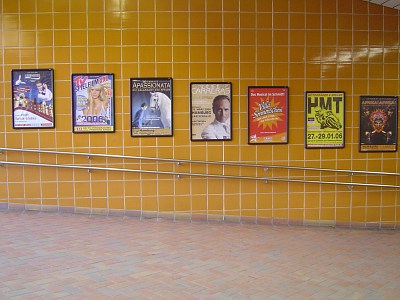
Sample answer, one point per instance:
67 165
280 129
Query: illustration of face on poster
211 111
93 102
268 119
32 96
378 123
151 106
324 120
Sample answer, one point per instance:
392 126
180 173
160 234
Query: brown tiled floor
52 256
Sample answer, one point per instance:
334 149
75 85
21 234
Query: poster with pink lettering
268 114
93 103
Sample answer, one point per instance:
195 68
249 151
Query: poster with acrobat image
151 107
33 98
378 123
93 103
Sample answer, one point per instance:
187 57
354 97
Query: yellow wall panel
351 46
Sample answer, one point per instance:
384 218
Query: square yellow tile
132 188
166 203
61 6
28 56
199 202
115 189
61 54
197 19
373 214
148 188
183 204
388 214
28 22
61 20
27 6
150 204
180 19
215 204
232 204
180 54
78 55
45 21
15 190
197 70
163 19
133 203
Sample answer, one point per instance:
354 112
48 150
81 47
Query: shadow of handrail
184 174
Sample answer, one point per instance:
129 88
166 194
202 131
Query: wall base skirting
193 217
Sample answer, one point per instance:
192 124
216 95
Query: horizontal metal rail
179 161
180 174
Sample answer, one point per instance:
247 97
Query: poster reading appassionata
151 107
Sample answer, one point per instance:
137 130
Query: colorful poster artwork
324 121
378 123
268 115
210 106
93 103
151 107
32 98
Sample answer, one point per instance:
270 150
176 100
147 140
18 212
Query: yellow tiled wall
345 45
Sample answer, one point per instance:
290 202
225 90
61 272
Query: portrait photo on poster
324 119
33 98
378 123
93 102
210 111
151 107
268 114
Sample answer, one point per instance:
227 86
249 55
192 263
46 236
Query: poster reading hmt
324 122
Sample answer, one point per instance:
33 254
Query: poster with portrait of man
151 107
93 103
210 111
378 123
33 98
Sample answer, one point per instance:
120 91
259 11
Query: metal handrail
179 174
179 161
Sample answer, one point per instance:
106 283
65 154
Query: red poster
268 114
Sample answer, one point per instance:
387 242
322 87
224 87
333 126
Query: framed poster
324 120
93 103
32 98
210 111
378 123
151 107
268 114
